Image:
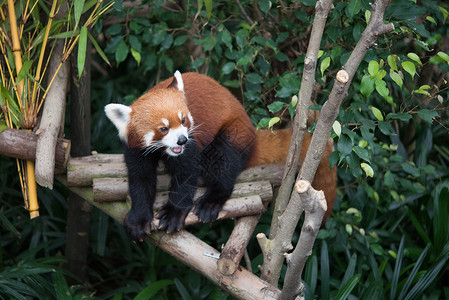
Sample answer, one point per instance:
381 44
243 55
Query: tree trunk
78 216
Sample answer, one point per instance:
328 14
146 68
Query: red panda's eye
163 129
183 121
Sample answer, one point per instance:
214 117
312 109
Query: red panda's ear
177 82
119 115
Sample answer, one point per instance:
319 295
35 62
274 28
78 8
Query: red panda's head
159 119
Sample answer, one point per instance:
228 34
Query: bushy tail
272 148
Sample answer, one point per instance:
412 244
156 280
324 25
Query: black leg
142 176
221 164
184 173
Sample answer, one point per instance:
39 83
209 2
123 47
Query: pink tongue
177 149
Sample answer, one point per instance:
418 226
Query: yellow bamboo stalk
15 44
28 185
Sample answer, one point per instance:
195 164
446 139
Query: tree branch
329 112
273 260
315 207
22 144
52 119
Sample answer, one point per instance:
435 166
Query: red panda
197 128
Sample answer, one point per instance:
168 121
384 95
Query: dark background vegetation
391 229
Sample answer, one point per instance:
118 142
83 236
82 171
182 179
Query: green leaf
62 290
386 128
98 48
264 5
325 63
152 289
346 290
423 90
445 13
427 115
443 56
368 170
415 57
409 67
399 116
254 78
24 71
407 167
78 10
82 48
136 55
396 78
367 85
362 153
228 68
121 52
431 19
373 68
180 40
208 4
275 106
392 62
377 113
337 128
381 88
227 38
353 8
344 145
273 121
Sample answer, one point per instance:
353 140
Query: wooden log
22 144
82 171
116 189
236 245
233 208
52 118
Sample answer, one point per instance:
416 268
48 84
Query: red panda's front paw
171 218
138 225
207 211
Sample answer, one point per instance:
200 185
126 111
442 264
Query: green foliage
388 235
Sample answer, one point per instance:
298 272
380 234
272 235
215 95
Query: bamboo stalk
28 183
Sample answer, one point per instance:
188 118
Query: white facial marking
171 140
149 138
190 119
179 81
165 121
119 116
180 115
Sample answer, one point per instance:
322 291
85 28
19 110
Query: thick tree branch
273 254
22 144
329 112
52 118
315 207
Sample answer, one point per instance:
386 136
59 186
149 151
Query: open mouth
175 150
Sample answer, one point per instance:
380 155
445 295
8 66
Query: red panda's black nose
182 140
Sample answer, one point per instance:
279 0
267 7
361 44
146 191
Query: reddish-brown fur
216 111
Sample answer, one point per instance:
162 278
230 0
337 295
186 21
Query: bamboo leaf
346 290
152 289
78 9
98 48
82 48
24 71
